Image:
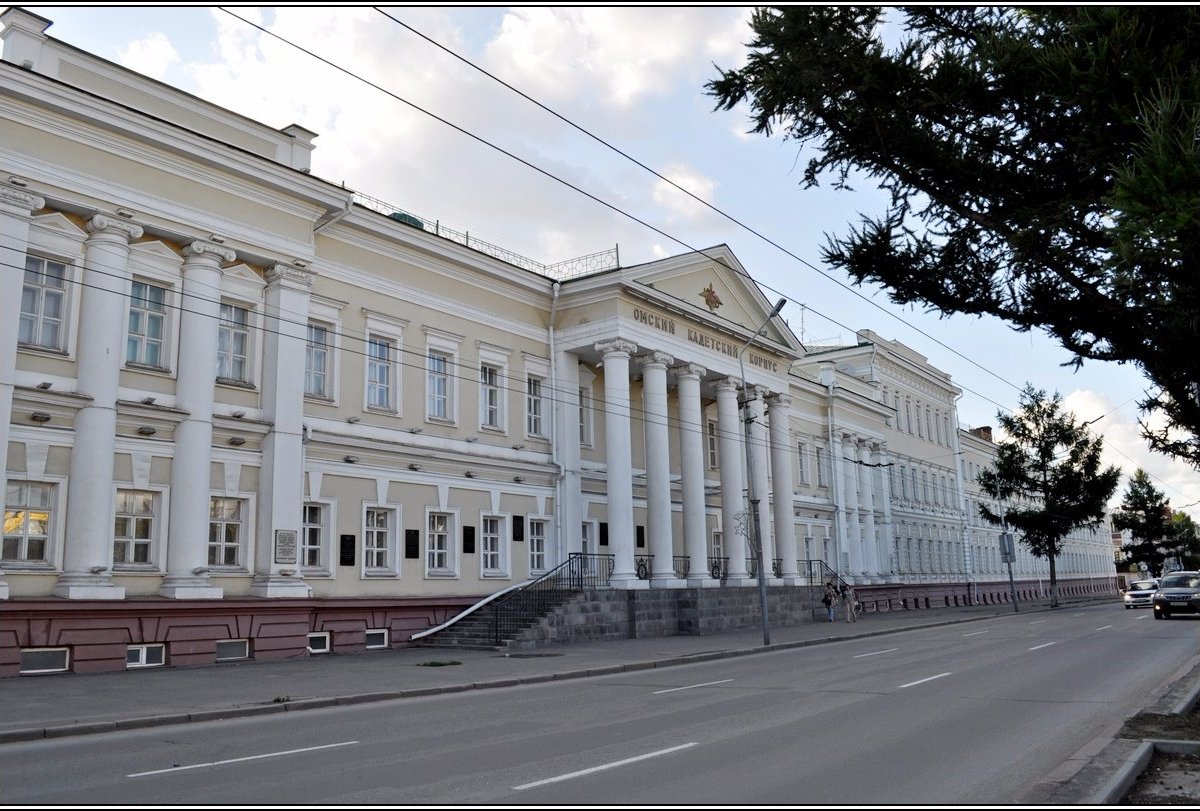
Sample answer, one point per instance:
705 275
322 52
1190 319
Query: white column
867 478
281 481
733 497
691 462
891 568
569 496
619 462
782 485
103 308
658 471
187 534
16 207
848 453
758 453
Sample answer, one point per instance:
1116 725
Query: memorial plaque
285 546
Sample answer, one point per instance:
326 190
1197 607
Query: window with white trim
378 533
535 407
316 361
145 341
823 472
145 656
439 549
802 462
586 438
492 552
438 401
226 531
43 304
537 544
28 507
491 397
314 534
381 373
714 445
133 528
233 344
44 660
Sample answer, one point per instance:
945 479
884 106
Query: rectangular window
225 533
45 660
133 527
585 416
316 362
490 543
537 545
27 510
534 407
438 405
490 397
233 344
377 638
145 656
375 539
380 359
802 456
312 536
319 642
438 559
147 325
229 650
822 470
43 304
713 446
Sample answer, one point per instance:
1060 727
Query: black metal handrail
718 568
579 572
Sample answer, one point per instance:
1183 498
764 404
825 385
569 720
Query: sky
408 121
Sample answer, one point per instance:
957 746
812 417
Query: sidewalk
34 707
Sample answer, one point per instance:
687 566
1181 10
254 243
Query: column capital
616 346
16 198
689 370
203 249
109 226
727 384
778 400
660 359
291 274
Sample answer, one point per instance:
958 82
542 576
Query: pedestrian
830 600
850 600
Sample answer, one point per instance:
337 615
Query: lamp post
753 524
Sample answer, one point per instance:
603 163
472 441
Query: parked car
1178 593
1140 593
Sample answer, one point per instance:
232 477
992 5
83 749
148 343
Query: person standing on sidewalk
850 601
830 600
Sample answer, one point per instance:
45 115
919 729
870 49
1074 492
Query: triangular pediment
60 224
714 285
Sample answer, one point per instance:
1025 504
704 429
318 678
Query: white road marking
604 767
1035 622
243 759
1103 627
1039 647
690 686
975 633
876 653
922 681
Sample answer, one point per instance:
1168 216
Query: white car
1140 593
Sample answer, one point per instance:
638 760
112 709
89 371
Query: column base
670 582
629 582
190 588
277 585
741 580
3 588
793 580
76 586
703 583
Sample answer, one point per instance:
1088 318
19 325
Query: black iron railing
643 566
517 610
718 568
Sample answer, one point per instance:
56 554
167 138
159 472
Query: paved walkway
73 704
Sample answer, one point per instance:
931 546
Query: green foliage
1042 164
1147 515
1184 541
1047 477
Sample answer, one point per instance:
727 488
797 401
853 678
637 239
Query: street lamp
753 524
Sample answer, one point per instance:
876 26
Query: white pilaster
88 549
890 567
281 483
187 535
691 461
619 462
848 454
658 471
16 207
569 501
734 512
867 479
783 485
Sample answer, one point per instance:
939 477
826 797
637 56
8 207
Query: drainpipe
555 406
335 216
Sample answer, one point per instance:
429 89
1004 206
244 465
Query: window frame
158 523
311 351
390 329
444 348
246 542
536 542
328 509
143 648
391 535
56 527
65 319
502 553
227 327
451 552
537 406
143 339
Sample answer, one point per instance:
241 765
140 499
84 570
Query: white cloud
678 204
152 56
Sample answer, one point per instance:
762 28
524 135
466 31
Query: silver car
1140 593
1178 593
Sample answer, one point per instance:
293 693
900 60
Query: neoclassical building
250 413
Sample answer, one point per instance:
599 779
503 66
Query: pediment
60 224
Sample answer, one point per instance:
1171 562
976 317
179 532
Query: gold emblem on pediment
710 297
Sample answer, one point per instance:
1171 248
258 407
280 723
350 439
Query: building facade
249 413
